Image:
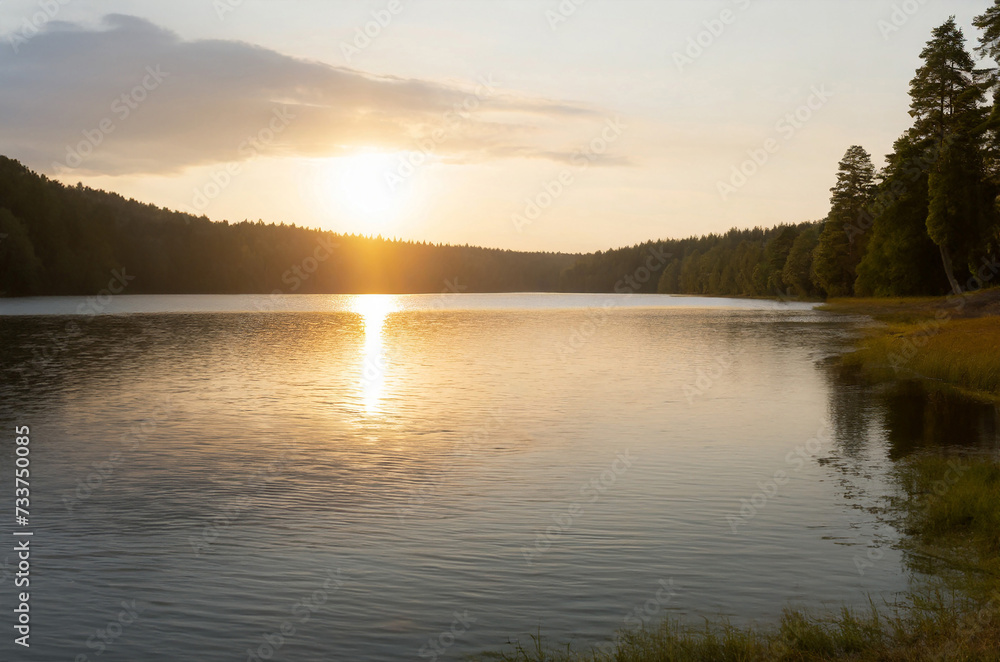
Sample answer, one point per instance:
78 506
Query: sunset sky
280 111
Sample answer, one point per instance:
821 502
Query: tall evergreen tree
845 237
900 258
989 46
946 102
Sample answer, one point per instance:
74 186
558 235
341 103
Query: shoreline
948 514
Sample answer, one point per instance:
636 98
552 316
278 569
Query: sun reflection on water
374 309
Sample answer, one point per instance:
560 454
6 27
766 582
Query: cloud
129 97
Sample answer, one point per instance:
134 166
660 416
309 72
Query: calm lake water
351 478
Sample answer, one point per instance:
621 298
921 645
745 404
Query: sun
369 187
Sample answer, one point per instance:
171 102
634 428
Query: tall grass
964 352
933 632
954 340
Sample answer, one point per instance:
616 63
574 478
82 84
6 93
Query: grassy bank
953 339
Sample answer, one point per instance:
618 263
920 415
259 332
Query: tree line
60 240
928 222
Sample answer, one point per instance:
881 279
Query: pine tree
900 258
946 101
845 237
989 46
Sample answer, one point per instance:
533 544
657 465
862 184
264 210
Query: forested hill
772 262
63 240
68 241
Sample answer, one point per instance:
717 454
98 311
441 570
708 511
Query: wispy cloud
129 97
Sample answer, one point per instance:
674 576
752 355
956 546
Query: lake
427 477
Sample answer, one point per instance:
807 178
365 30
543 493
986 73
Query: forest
926 223
59 240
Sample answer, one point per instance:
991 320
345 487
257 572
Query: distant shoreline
126 304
